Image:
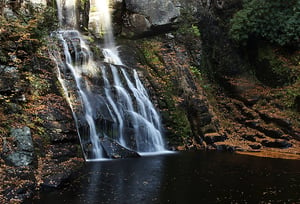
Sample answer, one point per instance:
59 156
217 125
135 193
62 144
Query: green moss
196 73
161 77
39 86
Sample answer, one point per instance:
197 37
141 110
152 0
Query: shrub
274 20
187 28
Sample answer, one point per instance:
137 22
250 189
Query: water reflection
191 177
124 181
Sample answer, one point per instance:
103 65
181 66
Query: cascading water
77 62
115 105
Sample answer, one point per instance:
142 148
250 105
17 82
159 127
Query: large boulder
158 12
18 149
114 150
10 83
142 16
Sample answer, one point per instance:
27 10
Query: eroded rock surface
18 149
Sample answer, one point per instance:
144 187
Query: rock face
211 138
165 68
157 12
20 152
114 150
141 17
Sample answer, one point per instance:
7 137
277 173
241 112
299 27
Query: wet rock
115 151
21 192
25 191
255 146
205 119
211 138
222 146
59 125
19 151
56 180
249 137
297 103
277 143
265 129
56 175
275 118
64 151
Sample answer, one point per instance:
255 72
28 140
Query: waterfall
107 99
78 65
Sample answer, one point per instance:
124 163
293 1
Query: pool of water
186 177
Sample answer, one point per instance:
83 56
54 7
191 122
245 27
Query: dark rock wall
166 69
239 79
39 145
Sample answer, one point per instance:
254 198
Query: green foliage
196 72
151 57
190 31
187 27
196 31
274 20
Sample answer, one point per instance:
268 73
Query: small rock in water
115 151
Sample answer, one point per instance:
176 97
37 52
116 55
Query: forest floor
258 120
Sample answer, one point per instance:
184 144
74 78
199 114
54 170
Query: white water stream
137 124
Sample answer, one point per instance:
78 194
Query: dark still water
187 178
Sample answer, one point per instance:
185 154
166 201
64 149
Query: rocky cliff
39 146
211 93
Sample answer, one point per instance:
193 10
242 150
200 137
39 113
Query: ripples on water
187 178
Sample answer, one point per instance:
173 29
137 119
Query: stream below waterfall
186 177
